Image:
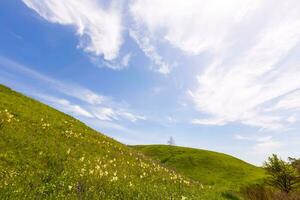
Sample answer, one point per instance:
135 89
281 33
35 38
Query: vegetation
46 154
282 182
283 175
295 163
221 172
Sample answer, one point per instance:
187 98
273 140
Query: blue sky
223 76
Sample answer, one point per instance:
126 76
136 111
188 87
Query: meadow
46 154
211 168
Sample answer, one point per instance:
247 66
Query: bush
282 175
281 184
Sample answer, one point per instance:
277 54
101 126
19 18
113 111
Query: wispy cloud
209 121
263 145
254 138
65 105
110 114
99 27
116 64
149 49
91 104
72 90
268 146
253 54
192 26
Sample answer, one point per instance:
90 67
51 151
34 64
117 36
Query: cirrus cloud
99 28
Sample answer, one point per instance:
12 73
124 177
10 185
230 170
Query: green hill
207 167
45 154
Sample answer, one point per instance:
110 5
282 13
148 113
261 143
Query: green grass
46 154
210 168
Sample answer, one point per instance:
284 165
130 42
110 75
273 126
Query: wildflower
68 152
70 187
115 178
130 184
183 198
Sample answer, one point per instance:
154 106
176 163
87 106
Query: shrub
282 175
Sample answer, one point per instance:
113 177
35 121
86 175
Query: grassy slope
45 154
205 166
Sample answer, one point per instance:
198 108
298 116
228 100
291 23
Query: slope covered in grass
45 154
208 167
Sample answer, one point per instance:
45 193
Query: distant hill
208 167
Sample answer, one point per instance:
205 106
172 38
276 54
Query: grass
46 154
210 168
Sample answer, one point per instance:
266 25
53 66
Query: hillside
208 167
45 154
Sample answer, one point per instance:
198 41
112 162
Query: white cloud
130 116
292 119
71 90
99 28
290 101
105 114
91 104
209 121
171 120
239 87
149 49
65 105
115 64
254 138
126 59
268 146
110 114
253 51
263 145
254 72
192 26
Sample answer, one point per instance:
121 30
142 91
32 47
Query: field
46 154
219 170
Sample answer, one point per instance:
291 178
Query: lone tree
171 141
282 175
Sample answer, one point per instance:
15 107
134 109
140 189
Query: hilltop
208 167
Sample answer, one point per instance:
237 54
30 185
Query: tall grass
262 192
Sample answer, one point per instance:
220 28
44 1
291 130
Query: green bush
282 175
